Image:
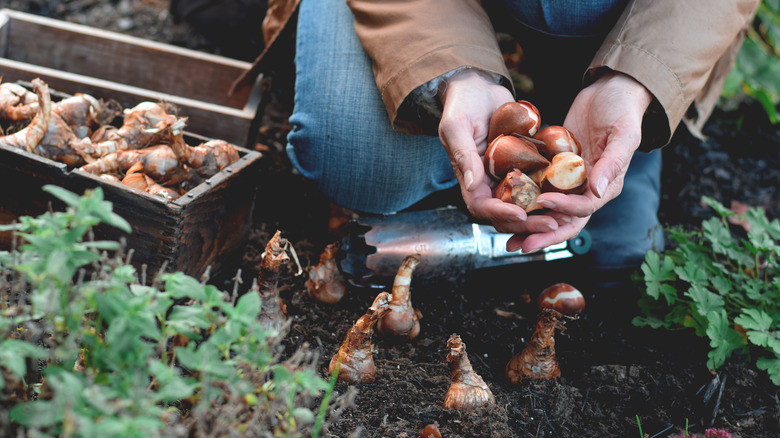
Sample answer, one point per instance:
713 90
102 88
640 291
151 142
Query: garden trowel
449 243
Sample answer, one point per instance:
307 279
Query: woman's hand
469 100
606 117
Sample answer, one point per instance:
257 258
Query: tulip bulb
519 189
520 117
538 359
354 358
566 174
467 391
325 283
556 139
404 321
508 152
431 431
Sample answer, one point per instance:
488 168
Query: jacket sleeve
415 41
681 51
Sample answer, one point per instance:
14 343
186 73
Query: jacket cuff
399 92
423 104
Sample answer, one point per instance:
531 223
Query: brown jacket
680 50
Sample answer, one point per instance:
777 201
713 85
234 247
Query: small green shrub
757 67
720 284
85 350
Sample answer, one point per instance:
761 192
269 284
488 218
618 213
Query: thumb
612 163
466 161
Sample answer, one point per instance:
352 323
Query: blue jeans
343 141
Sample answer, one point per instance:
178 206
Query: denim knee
367 171
627 227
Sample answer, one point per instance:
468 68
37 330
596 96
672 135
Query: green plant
722 285
85 350
758 61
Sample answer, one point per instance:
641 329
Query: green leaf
248 306
38 413
705 301
184 286
757 323
656 274
721 209
63 195
721 284
205 359
771 366
649 321
691 273
723 339
171 386
14 354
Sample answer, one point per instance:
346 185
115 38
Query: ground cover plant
615 376
723 286
87 350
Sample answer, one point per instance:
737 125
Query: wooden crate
208 226
72 58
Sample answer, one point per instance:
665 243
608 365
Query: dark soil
612 372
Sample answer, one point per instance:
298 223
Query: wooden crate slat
121 58
74 58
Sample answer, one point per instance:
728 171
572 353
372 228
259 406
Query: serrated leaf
757 323
705 301
656 273
716 205
721 284
754 319
723 339
771 366
691 273
718 235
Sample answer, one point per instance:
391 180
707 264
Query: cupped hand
606 118
469 100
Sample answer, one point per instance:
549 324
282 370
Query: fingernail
468 179
601 186
546 204
517 218
531 251
547 227
566 219
512 246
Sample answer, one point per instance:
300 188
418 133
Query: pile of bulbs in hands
527 160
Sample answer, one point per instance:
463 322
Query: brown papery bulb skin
508 152
566 174
563 298
355 354
537 360
556 139
404 321
467 391
325 283
519 189
431 431
520 117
